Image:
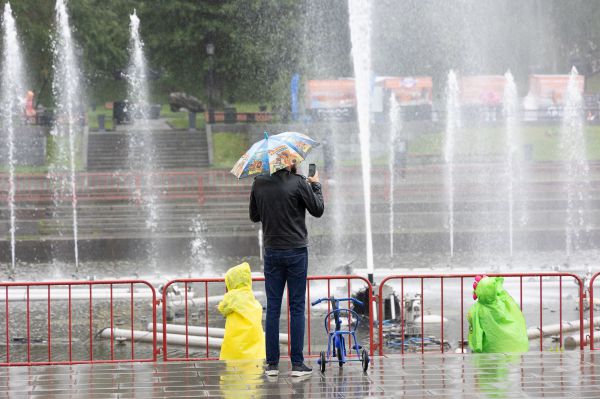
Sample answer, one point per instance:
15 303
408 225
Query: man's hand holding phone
313 179
313 175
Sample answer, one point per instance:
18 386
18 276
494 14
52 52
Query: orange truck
336 99
337 93
331 99
552 88
413 93
547 96
409 90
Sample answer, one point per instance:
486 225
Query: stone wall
30 146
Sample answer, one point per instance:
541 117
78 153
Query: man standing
280 202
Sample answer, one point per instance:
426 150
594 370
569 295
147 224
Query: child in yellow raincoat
244 335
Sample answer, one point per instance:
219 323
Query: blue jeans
285 266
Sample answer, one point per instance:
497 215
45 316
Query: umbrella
274 153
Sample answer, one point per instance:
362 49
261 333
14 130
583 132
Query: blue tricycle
336 343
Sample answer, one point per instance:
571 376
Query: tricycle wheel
365 360
323 361
339 351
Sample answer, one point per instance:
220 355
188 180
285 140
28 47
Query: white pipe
201 331
179 300
20 295
553 329
430 319
172 339
572 341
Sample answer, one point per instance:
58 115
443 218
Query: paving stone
567 374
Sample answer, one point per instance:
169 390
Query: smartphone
312 169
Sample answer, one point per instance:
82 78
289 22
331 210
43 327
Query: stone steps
172 150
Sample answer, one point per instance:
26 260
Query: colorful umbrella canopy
274 153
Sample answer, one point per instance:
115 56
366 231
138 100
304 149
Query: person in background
400 158
30 113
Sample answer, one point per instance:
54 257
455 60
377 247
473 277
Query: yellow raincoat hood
238 277
244 336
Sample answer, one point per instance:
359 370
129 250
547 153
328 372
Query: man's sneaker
299 370
272 370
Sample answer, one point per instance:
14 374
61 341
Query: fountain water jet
573 148
12 109
360 33
68 93
141 146
453 122
395 127
512 171
199 249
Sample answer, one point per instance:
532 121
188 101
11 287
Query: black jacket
279 201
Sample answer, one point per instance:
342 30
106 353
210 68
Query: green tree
255 42
260 44
102 34
34 21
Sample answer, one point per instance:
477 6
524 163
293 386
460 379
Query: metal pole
191 121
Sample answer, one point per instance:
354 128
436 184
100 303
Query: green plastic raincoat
244 337
496 323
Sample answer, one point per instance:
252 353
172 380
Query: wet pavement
550 374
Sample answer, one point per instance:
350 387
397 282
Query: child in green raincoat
496 323
244 335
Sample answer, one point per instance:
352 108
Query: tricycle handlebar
332 299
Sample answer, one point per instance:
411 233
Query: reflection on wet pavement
560 375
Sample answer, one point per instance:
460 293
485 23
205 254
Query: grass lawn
545 141
25 169
228 148
53 156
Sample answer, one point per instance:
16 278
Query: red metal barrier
220 185
443 279
192 184
73 316
591 303
58 321
216 286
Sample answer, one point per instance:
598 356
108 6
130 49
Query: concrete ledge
246 244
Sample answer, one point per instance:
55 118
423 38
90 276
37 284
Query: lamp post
210 52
